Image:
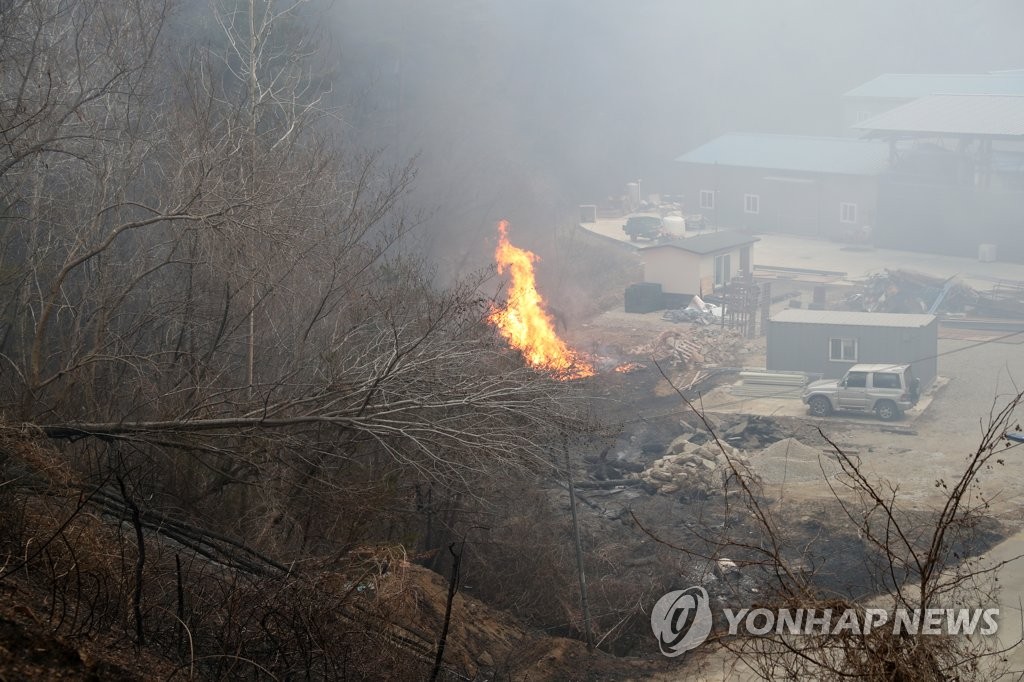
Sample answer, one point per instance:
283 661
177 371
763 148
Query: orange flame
523 321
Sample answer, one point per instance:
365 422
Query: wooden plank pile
696 346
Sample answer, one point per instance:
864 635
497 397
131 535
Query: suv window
856 379
886 380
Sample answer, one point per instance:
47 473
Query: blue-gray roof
852 318
968 115
914 85
841 155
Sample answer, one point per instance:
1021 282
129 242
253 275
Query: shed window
847 213
751 203
707 199
842 350
723 269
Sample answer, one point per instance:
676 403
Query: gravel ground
980 376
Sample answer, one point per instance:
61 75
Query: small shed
829 342
694 266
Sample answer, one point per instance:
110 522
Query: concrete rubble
688 466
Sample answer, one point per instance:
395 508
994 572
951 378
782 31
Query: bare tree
197 266
917 559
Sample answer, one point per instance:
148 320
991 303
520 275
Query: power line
789 390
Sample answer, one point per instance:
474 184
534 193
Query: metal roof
837 155
707 243
975 115
914 85
844 317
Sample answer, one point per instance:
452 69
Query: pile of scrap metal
1004 300
902 291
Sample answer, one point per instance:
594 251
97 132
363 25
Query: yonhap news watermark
682 620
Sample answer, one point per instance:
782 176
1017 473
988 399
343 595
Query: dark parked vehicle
643 227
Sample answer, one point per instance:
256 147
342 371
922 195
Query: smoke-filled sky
525 108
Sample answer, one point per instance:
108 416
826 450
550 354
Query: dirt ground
929 444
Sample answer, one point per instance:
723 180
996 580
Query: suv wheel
820 406
887 410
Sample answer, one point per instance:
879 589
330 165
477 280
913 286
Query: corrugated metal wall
803 347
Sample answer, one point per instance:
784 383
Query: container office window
751 203
707 199
842 350
847 213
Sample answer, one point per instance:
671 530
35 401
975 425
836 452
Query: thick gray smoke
523 109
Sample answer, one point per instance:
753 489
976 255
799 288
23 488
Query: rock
669 489
625 465
652 448
705 452
738 428
485 659
678 445
724 567
699 438
661 475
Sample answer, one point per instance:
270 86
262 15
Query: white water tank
987 253
674 225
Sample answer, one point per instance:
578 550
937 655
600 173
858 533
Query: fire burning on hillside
524 322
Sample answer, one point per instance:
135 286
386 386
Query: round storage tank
674 225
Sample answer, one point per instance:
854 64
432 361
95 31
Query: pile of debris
752 432
902 291
697 312
711 345
692 468
1005 300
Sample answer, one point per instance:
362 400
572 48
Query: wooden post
584 602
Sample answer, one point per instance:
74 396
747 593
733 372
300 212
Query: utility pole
253 103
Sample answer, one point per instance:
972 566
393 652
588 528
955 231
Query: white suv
886 390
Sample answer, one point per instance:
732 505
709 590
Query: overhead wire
788 391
